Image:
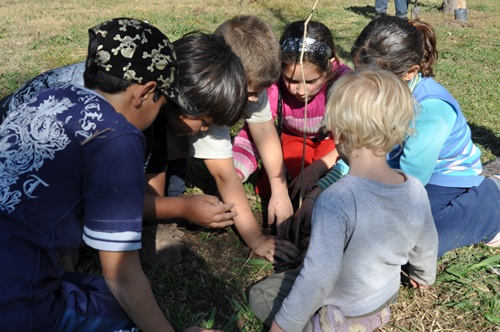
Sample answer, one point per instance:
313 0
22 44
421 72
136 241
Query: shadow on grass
368 11
196 275
486 137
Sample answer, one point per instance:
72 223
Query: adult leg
465 216
401 8
381 7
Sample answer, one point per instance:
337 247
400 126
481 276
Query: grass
210 286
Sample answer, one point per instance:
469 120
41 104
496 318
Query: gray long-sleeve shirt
362 232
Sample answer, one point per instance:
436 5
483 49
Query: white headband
311 46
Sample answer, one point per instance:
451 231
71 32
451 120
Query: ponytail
430 53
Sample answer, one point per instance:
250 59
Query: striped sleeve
116 241
336 173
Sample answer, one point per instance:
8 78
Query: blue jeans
90 306
401 7
176 177
465 216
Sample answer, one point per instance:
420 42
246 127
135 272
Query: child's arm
231 190
421 151
334 174
202 210
305 212
126 280
268 144
423 258
245 153
314 172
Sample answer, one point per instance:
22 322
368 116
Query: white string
301 194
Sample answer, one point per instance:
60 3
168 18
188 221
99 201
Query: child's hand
271 247
417 285
280 210
209 211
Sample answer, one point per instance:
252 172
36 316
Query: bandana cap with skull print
138 52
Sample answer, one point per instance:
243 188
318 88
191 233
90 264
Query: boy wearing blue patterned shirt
72 167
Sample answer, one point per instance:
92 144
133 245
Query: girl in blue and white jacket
465 205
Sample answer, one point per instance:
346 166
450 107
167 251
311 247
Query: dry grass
447 305
210 283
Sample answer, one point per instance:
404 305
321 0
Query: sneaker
496 178
377 15
495 242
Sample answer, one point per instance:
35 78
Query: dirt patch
163 244
196 271
168 243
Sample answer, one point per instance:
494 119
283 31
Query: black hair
212 77
317 31
396 44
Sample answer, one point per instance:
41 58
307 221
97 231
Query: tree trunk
449 6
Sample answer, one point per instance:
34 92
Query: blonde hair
370 108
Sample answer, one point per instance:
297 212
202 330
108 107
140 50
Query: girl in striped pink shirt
287 98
